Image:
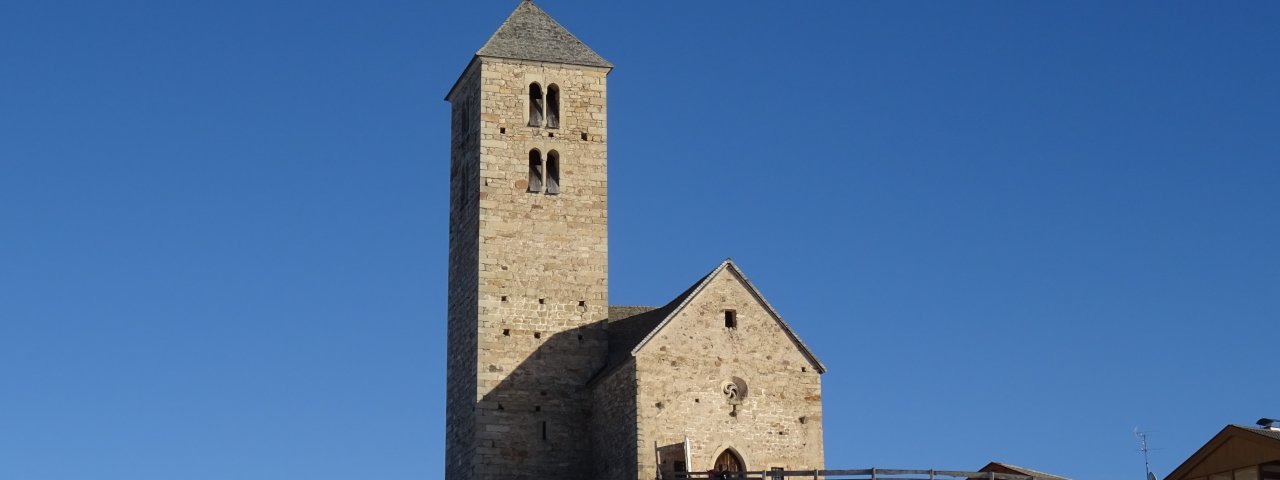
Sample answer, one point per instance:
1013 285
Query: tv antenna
1146 451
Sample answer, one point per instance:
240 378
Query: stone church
546 379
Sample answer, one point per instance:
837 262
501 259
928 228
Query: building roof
999 467
630 327
1262 431
530 34
1257 436
728 265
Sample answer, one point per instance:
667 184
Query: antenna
1146 451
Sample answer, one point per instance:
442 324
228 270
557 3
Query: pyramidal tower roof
530 34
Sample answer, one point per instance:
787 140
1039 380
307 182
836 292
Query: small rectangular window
544 430
730 319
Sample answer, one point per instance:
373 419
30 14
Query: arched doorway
729 461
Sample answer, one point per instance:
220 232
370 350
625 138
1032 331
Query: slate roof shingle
530 34
1275 434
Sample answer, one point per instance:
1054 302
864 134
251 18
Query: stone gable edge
733 268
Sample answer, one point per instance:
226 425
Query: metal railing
864 474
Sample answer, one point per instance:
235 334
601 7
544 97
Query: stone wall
541 294
681 373
613 423
463 276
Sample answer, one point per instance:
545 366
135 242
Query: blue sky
1012 230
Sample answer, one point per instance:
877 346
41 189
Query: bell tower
528 253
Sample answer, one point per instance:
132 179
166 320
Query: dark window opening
502 130
506 332
544 430
553 106
579 337
537 408
582 303
542 301
730 319
535 171
584 135
504 298
537 334
553 173
803 369
535 105
552 134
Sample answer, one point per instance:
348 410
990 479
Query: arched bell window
553 106
553 173
535 105
535 171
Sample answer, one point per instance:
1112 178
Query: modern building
1235 453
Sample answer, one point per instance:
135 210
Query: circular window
734 390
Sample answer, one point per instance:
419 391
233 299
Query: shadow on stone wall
534 423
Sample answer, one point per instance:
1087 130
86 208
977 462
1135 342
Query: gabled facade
714 377
545 378
1235 453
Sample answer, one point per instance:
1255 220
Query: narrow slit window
553 106
535 105
535 171
553 173
730 319
544 430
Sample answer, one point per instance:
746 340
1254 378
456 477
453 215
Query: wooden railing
864 474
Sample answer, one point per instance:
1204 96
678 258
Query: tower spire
530 34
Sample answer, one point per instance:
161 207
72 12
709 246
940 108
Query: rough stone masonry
546 380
